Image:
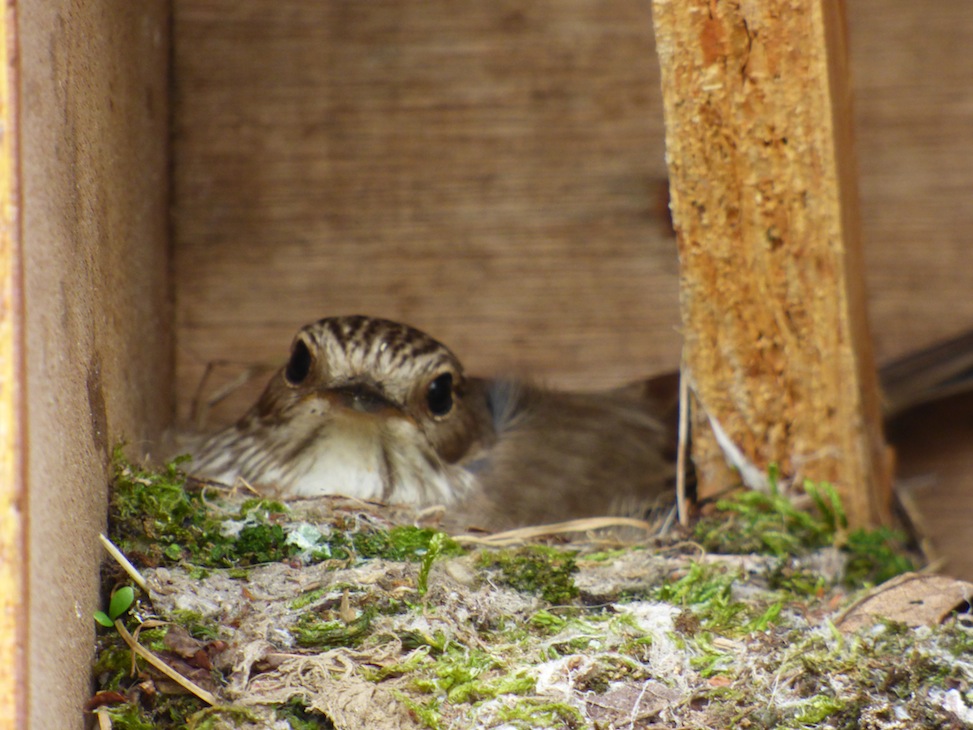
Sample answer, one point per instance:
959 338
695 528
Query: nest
599 631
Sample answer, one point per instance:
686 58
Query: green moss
769 523
195 624
437 642
306 599
536 569
429 713
154 639
529 714
157 520
411 664
166 711
890 664
708 591
436 546
297 715
113 662
875 556
548 622
129 717
312 631
798 582
212 718
464 675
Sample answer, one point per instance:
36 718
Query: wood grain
494 175
912 65
13 527
96 324
764 198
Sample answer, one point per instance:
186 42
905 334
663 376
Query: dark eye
439 397
299 365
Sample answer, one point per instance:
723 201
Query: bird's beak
360 398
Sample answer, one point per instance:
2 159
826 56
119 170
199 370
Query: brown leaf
911 598
626 703
100 699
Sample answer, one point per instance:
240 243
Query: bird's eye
439 396
299 366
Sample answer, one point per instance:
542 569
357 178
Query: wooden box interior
200 178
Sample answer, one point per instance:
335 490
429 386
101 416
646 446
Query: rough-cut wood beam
763 187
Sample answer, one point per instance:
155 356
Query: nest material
475 651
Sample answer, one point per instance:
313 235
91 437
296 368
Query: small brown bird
378 410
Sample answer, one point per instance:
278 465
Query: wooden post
763 188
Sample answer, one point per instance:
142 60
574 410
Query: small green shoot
121 601
435 548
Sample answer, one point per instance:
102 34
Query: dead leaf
101 699
630 704
912 598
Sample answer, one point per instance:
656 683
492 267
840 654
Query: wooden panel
98 366
492 172
13 527
912 64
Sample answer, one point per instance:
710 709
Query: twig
124 562
152 659
104 719
682 445
511 537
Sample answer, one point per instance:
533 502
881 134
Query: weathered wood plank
97 333
764 198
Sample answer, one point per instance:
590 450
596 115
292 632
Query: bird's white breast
376 459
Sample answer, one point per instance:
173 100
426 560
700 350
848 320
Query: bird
378 410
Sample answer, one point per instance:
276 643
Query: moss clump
874 556
892 670
197 626
537 714
313 631
156 518
463 675
708 592
536 569
404 543
769 523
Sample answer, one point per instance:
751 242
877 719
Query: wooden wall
493 173
96 323
912 68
